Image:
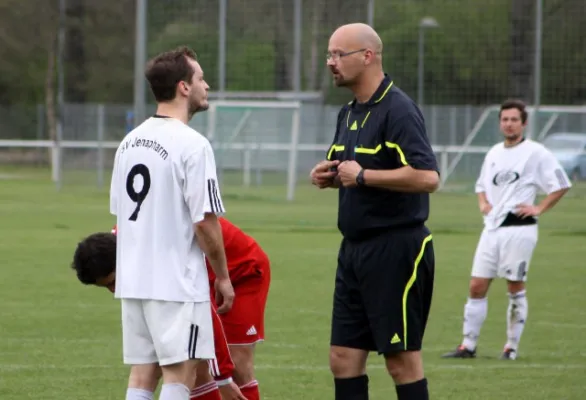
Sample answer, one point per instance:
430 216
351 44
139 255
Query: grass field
61 340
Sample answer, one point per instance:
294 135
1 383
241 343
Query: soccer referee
384 167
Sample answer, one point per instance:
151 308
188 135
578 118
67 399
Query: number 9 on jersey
138 197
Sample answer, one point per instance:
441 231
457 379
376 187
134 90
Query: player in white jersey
165 196
512 173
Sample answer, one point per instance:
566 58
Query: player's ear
183 87
368 57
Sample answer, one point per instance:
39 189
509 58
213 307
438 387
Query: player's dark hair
515 103
166 70
95 257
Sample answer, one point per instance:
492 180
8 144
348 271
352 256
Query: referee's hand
224 295
322 174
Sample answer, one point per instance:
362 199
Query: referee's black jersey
387 132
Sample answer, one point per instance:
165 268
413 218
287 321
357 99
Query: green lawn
61 340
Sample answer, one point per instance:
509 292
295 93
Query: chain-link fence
456 58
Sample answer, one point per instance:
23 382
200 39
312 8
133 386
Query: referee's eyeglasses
335 56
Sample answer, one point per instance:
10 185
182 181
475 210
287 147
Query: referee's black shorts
383 291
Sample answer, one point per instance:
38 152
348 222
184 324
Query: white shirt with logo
511 176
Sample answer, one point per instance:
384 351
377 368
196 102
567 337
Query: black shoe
460 352
509 354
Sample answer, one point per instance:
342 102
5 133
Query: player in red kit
250 274
241 328
95 263
214 378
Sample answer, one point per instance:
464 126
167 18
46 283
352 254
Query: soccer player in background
165 196
511 174
383 165
249 268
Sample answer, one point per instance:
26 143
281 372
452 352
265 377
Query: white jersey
514 175
164 180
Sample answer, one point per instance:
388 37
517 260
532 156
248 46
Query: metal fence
61 59
440 52
257 141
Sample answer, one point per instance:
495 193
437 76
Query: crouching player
243 326
94 261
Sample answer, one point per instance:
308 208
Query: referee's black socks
352 388
413 391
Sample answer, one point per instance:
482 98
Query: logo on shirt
505 178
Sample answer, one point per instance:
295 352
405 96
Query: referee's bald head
352 50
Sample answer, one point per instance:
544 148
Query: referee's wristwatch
360 178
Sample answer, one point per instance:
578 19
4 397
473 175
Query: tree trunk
75 52
315 59
522 47
281 46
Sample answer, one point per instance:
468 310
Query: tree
522 49
75 53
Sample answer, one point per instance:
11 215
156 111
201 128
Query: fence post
246 161
443 165
100 130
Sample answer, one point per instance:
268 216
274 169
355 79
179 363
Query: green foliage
201 38
244 70
467 59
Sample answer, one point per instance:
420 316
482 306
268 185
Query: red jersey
244 256
222 366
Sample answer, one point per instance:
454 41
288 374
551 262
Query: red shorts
244 323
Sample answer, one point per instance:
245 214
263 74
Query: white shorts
166 332
505 253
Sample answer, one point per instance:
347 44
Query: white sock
516 317
174 391
138 394
475 312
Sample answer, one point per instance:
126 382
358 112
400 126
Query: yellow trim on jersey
367 115
366 150
364 120
390 145
410 284
335 148
395 146
384 93
354 125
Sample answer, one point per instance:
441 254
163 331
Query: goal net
255 142
266 145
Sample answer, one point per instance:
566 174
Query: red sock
209 391
250 390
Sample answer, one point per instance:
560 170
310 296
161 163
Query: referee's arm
407 138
